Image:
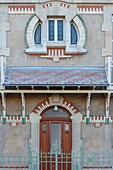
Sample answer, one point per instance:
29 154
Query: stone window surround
79 48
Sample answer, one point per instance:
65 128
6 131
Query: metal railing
56 160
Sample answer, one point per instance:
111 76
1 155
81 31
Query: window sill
75 49
72 49
56 43
38 49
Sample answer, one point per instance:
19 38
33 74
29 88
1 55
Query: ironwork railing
56 160
17 160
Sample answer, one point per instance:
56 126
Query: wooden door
49 135
56 129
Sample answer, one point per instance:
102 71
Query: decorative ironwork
32 160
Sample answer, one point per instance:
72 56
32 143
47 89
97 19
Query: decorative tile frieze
56 54
29 30
47 5
64 5
70 107
82 30
31 9
48 102
90 9
98 119
41 106
14 120
21 9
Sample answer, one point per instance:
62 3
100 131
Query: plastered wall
97 101
97 138
94 44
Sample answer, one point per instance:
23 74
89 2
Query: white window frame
55 29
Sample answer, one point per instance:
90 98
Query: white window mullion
55 30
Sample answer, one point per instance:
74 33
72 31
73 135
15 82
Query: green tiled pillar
23 120
87 120
4 120
107 120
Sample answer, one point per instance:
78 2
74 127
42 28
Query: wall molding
15 120
30 9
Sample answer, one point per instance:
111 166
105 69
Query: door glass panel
66 127
55 135
44 127
52 113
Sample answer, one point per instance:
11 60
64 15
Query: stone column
76 136
35 139
35 131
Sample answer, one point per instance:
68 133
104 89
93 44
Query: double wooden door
52 131
56 129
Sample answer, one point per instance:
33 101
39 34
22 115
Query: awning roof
55 76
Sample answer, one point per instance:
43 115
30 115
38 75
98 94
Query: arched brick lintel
55 100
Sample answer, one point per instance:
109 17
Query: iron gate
50 161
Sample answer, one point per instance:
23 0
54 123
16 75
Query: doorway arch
36 116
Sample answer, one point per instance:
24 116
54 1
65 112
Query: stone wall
97 138
16 139
94 138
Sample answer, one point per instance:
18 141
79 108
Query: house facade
56 75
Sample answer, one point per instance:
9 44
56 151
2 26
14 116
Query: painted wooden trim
58 91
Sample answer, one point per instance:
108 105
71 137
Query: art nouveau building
56 74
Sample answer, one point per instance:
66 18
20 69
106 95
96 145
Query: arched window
73 34
37 34
56 114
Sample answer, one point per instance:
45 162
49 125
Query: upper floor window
55 30
73 34
60 33
37 34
